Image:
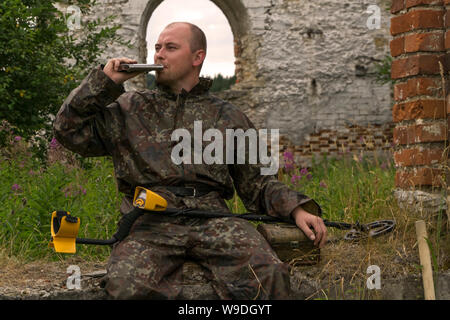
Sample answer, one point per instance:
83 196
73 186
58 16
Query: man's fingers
312 225
126 60
318 230
305 228
324 233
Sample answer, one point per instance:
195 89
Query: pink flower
17 138
295 179
15 187
54 143
288 156
304 171
323 184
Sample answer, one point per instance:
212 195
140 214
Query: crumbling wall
302 66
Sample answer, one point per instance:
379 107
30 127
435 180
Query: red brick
448 105
413 3
447 40
418 64
419 109
397 5
433 41
447 18
430 132
418 156
418 86
398 46
419 177
417 19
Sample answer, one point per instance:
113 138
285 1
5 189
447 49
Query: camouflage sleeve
81 124
264 193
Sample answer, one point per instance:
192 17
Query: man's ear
199 57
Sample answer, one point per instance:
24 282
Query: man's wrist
298 210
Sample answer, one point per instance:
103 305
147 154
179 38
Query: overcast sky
208 17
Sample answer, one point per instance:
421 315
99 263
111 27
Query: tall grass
29 193
351 188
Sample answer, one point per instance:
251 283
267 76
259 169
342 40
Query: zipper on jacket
178 108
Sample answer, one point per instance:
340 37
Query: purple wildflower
288 156
323 184
295 178
54 143
15 187
309 176
17 138
83 191
304 171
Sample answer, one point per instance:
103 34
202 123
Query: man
98 118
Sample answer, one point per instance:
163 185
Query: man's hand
305 221
112 67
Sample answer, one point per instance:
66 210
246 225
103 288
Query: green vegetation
383 70
351 188
347 189
41 60
30 193
220 82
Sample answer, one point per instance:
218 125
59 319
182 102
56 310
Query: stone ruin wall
304 67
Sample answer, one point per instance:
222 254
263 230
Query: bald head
198 38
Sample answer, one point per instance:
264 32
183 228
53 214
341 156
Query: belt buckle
194 191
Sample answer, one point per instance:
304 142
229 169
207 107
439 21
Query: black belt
188 191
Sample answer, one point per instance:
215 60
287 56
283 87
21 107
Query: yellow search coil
64 230
148 200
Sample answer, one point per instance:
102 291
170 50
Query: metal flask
139 67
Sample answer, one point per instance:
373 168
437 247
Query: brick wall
419 49
348 140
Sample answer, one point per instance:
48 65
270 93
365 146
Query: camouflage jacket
99 118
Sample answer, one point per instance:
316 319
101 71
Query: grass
350 188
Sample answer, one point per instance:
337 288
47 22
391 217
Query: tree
42 60
221 83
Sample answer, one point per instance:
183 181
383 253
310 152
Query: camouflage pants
238 261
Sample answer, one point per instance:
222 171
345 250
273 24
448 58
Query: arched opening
208 17
223 21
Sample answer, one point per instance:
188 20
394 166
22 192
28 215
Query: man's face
173 51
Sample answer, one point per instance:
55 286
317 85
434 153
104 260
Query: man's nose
159 55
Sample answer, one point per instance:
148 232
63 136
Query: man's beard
164 79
